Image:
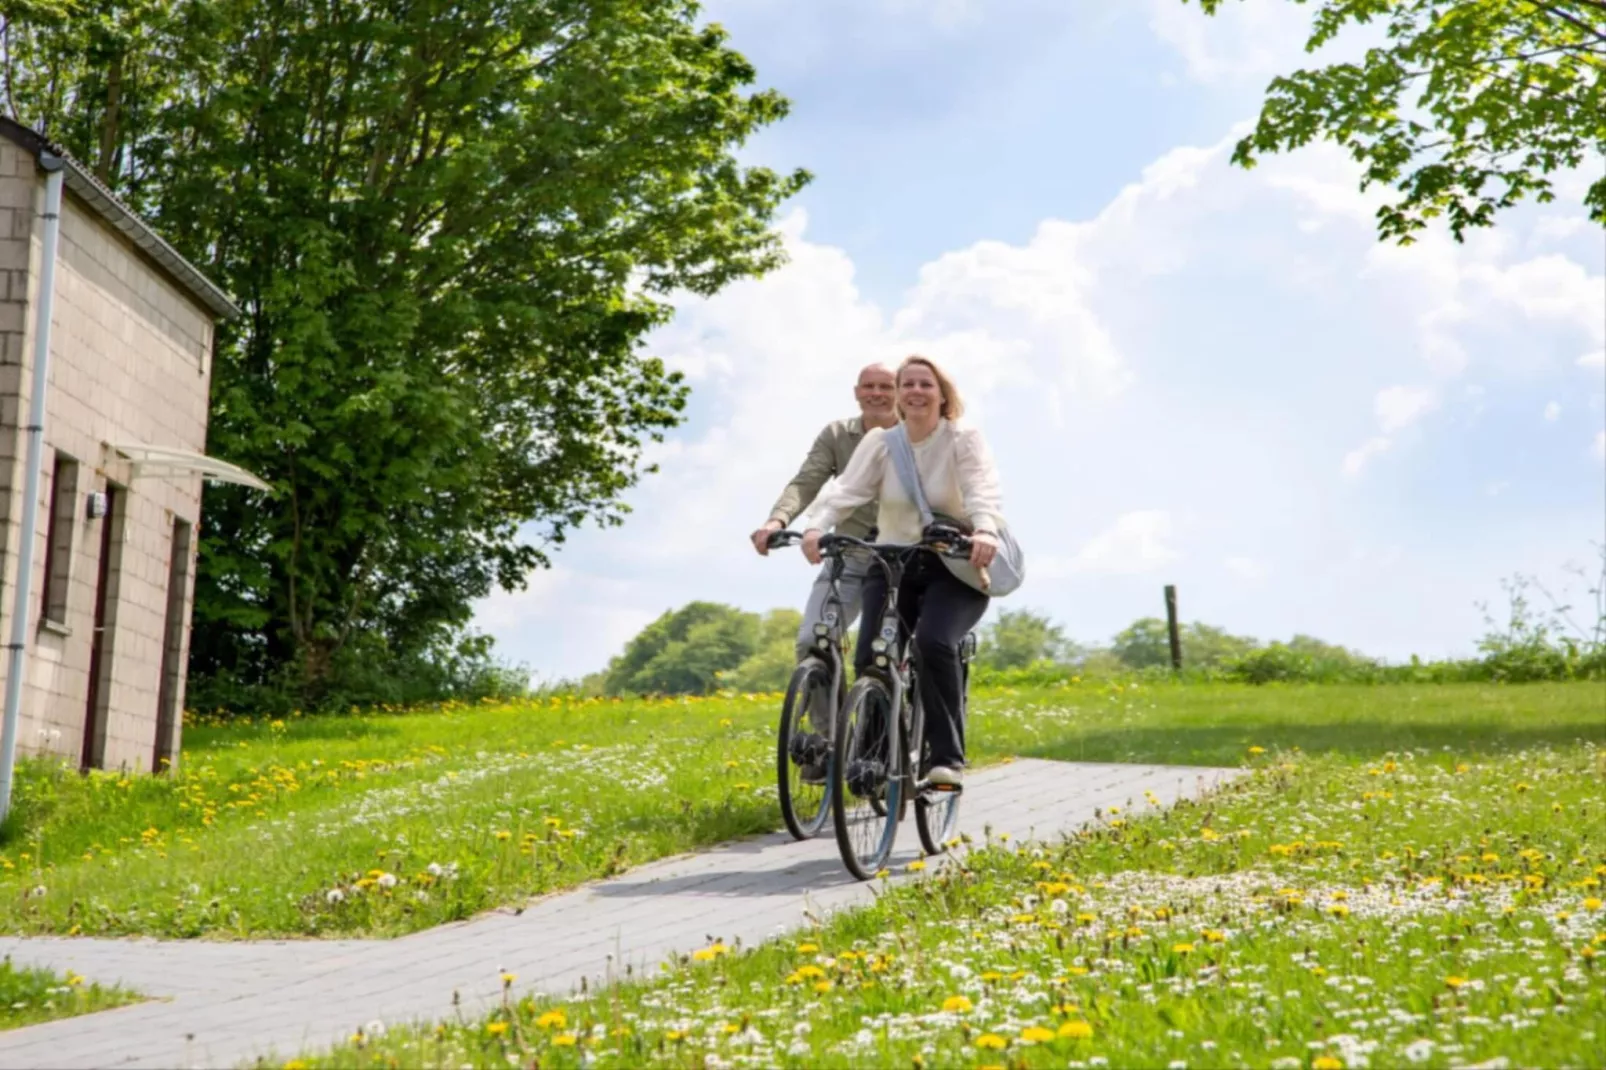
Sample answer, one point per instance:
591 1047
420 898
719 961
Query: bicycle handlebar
938 539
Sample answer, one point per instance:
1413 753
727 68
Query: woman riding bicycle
959 479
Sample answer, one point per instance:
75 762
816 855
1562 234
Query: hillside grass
387 822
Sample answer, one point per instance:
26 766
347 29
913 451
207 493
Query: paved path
221 1004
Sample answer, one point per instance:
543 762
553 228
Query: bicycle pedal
926 786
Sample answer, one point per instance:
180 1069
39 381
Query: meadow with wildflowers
385 822
1438 906
30 996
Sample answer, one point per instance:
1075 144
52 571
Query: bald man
875 392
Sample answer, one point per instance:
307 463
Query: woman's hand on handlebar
811 546
983 548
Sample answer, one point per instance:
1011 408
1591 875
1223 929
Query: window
59 541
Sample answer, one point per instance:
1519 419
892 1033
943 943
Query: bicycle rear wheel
803 750
863 774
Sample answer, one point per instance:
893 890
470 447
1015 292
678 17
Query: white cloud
1246 568
1245 41
944 14
1357 459
1137 543
1398 407
1553 411
1595 361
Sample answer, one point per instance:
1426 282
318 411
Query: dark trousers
942 610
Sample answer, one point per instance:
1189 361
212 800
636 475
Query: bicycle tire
878 831
804 816
936 817
937 812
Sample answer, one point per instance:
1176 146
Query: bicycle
813 696
871 771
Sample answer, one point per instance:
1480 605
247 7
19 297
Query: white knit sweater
956 471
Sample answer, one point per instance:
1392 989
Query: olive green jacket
833 448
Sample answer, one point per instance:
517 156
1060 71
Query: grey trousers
852 588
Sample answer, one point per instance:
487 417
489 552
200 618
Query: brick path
223 1004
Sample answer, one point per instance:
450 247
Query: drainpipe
17 649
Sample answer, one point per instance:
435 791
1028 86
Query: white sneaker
947 777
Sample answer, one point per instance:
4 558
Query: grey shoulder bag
1008 569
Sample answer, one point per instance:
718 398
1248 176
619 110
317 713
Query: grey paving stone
220 1005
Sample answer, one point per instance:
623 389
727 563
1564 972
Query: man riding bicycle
833 448
828 457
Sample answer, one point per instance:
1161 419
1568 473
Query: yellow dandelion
808 949
1257 750
823 986
1076 1031
496 1029
1214 936
1592 903
956 1005
565 1040
991 1042
554 1019
503 834
1036 1034
1326 1062
1455 982
509 978
916 866
1182 949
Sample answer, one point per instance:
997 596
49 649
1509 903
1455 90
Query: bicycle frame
896 658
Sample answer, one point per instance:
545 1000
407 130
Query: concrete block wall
130 354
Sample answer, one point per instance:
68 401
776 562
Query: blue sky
1189 373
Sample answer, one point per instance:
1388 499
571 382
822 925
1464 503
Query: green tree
770 666
450 224
1470 107
1146 643
685 651
1143 644
1017 638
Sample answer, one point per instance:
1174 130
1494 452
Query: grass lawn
28 997
1377 905
386 823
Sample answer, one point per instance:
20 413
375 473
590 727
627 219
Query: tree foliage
685 651
1017 638
450 223
1146 643
1471 106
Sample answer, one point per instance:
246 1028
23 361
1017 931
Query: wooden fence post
1171 626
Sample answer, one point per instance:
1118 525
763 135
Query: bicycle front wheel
865 787
936 817
803 750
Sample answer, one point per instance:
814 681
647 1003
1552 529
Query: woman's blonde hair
953 406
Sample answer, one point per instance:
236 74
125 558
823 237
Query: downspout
52 165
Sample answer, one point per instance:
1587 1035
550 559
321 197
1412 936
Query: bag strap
903 459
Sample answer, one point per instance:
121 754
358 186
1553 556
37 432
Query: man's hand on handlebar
761 537
811 546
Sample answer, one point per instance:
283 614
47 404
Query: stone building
106 635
